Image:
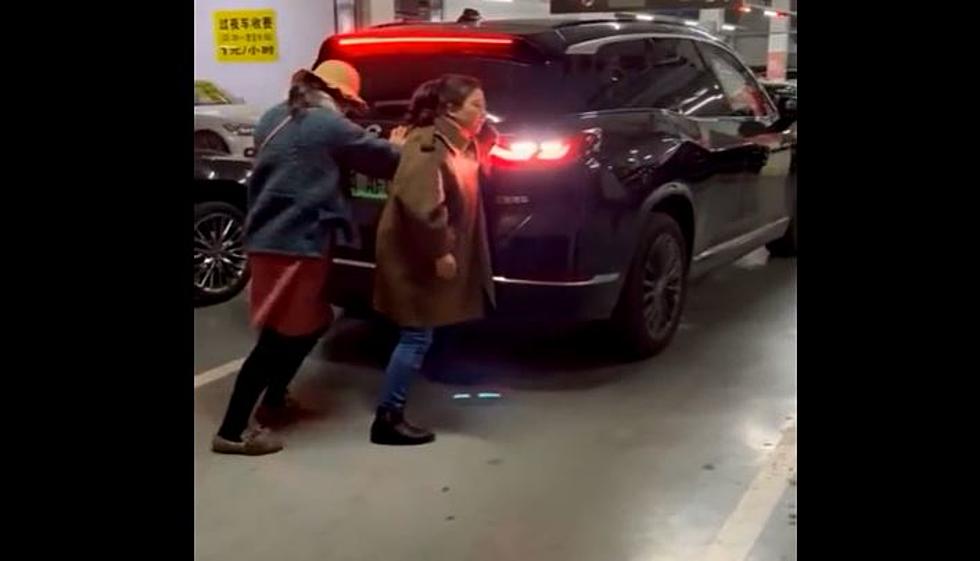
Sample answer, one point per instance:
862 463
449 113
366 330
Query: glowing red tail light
514 151
411 40
524 150
385 42
553 150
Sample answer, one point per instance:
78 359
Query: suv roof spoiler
559 23
554 24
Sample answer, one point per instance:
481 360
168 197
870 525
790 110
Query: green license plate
369 188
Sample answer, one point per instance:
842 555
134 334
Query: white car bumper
240 146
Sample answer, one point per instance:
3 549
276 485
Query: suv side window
619 70
746 99
661 73
689 87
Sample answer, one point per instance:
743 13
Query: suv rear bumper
352 281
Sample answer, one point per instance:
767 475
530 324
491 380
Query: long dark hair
437 97
303 92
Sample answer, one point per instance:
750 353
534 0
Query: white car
222 122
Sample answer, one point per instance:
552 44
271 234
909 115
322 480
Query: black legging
270 366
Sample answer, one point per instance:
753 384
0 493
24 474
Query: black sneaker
391 428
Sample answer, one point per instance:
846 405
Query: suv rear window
513 88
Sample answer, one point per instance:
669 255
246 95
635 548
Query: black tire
210 142
786 245
220 266
652 301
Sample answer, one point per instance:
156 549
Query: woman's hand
446 267
397 135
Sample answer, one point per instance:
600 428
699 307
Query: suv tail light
422 39
395 41
519 151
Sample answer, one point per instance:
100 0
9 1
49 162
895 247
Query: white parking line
740 531
218 373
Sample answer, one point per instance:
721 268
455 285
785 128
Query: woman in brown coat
433 259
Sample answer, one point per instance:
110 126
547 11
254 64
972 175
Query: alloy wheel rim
663 276
219 253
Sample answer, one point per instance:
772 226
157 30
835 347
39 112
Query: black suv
633 155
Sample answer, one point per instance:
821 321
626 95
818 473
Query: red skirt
288 294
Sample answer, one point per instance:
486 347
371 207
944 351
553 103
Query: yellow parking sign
246 36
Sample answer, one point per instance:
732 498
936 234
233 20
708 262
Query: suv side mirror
787 107
786 104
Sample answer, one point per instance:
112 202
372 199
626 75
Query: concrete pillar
778 42
378 11
712 19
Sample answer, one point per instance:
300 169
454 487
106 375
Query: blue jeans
405 361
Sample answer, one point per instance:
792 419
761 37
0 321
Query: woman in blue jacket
297 211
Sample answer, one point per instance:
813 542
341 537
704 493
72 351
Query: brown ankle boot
391 428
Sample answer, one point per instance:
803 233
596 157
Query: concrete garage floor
687 456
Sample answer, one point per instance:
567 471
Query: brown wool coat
434 207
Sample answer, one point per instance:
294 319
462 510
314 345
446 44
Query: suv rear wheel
220 266
652 300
